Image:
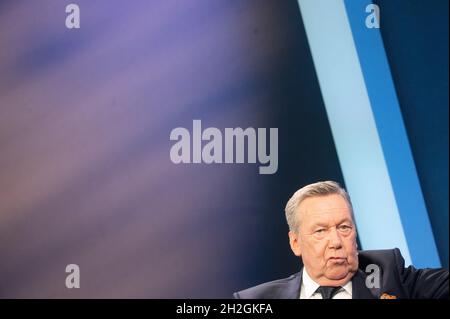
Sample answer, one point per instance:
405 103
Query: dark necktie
328 292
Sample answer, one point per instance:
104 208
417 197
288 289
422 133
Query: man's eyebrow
320 224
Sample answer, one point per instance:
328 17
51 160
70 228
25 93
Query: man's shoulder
386 258
408 282
285 288
289 288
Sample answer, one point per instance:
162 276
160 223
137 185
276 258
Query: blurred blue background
85 118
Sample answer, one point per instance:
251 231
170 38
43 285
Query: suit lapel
292 288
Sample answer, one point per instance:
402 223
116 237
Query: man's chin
335 279
338 272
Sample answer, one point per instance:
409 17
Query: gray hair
312 190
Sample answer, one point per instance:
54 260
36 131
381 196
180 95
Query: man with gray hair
322 232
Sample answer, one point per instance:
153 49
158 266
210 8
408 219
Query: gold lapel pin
387 296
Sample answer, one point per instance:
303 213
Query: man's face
326 239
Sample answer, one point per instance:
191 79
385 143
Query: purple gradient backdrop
85 118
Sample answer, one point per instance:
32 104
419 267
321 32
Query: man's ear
294 242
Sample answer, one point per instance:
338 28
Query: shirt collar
311 286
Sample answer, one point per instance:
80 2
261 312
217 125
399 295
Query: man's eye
320 231
345 227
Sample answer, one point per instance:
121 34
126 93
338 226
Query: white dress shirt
309 287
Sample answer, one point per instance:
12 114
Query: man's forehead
324 205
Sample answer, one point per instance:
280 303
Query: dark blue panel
415 35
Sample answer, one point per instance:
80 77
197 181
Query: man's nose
335 239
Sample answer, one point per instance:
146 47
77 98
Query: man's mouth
337 259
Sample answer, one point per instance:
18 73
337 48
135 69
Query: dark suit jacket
395 281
